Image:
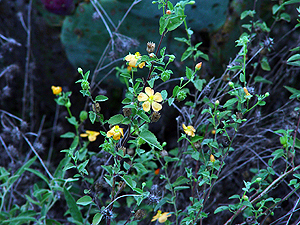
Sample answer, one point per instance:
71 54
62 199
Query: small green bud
80 70
267 94
245 197
191 3
165 76
231 84
258 179
181 95
171 58
85 85
68 104
83 116
272 213
217 103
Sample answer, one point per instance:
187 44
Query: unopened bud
258 179
217 103
198 66
80 70
212 158
168 12
245 197
231 84
267 94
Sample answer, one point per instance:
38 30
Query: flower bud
217 103
245 197
80 70
83 116
258 179
85 85
181 95
267 94
68 104
168 12
212 158
198 66
231 84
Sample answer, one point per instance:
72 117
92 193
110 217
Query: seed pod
127 112
139 214
150 47
96 107
155 117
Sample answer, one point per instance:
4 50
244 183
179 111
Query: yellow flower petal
56 90
146 106
149 91
141 65
110 133
184 127
83 135
156 106
156 216
157 97
163 217
143 97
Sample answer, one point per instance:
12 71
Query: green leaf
25 166
143 116
150 138
164 94
188 52
163 22
97 218
230 102
72 121
178 188
131 183
176 90
20 219
73 208
221 208
85 200
180 180
188 73
39 174
68 135
199 84
265 64
262 80
101 98
92 116
295 92
175 22
116 119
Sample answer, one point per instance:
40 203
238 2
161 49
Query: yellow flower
162 217
132 59
150 99
189 130
56 90
116 132
92 135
